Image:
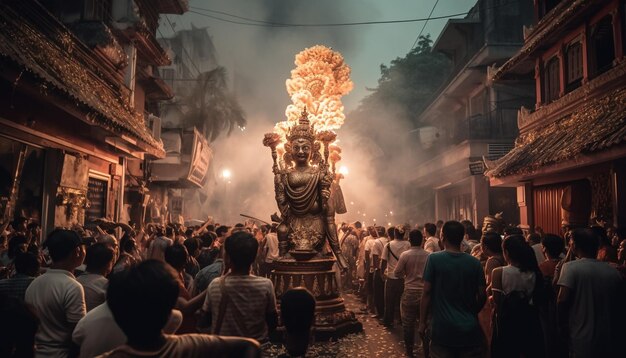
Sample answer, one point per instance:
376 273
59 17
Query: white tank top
515 280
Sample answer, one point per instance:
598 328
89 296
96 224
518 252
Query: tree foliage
211 107
407 84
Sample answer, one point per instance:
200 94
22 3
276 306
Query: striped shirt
252 296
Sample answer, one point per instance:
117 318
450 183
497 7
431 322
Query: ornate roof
35 41
595 125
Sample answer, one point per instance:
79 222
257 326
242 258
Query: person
534 240
393 285
410 267
349 246
491 248
176 256
297 311
56 296
17 333
222 233
99 322
379 279
206 275
606 252
192 267
432 242
208 251
155 282
156 250
454 290
26 268
516 293
229 305
128 254
271 249
99 260
553 247
588 301
369 269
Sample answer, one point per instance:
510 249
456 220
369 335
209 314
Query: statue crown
302 130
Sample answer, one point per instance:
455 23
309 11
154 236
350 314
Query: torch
326 137
272 140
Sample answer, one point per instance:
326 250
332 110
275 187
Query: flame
318 82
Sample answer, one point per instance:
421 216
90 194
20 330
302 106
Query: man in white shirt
393 285
156 251
99 260
432 242
99 323
411 267
271 248
368 268
56 296
379 280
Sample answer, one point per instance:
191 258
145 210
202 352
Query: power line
279 25
183 47
424 26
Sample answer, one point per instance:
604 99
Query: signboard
200 157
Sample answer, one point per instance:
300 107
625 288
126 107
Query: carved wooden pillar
538 77
562 71
617 33
525 203
584 42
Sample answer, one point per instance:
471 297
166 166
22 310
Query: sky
259 59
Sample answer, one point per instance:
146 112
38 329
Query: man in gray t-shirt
587 300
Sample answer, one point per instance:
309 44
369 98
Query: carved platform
332 320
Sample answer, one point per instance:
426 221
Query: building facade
79 86
468 120
568 164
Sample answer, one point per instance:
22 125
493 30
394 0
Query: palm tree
210 107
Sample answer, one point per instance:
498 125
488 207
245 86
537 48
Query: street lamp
343 170
226 174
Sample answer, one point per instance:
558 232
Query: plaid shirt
15 286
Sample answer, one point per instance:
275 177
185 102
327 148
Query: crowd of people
172 291
472 292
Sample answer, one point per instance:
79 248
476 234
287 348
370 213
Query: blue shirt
206 275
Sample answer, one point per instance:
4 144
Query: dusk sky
261 57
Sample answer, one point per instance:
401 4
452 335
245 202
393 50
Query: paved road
375 341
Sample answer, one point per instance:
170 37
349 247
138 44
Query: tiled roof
596 125
49 51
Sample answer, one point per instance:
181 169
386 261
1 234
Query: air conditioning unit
155 126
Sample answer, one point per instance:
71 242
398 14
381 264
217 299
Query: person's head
534 239
416 237
391 233
513 230
19 328
469 229
491 243
169 232
99 259
65 248
553 246
206 240
241 250
177 256
452 233
430 229
221 231
297 310
141 299
17 244
128 245
358 225
27 264
20 224
193 246
381 231
398 232
585 243
518 253
600 232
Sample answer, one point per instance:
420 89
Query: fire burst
318 82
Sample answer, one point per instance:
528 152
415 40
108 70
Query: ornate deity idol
306 192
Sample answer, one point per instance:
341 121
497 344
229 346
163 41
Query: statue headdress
303 129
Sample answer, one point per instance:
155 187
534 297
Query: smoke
259 61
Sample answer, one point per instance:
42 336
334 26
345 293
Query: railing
499 124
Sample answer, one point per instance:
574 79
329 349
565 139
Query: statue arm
281 197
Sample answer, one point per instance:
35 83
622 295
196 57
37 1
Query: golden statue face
301 151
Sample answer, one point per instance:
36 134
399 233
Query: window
602 51
574 56
551 80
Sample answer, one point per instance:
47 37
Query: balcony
500 124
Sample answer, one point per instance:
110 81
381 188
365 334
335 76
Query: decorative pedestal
332 320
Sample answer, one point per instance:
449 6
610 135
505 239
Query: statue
306 192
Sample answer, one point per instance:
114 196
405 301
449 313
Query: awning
596 125
35 41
